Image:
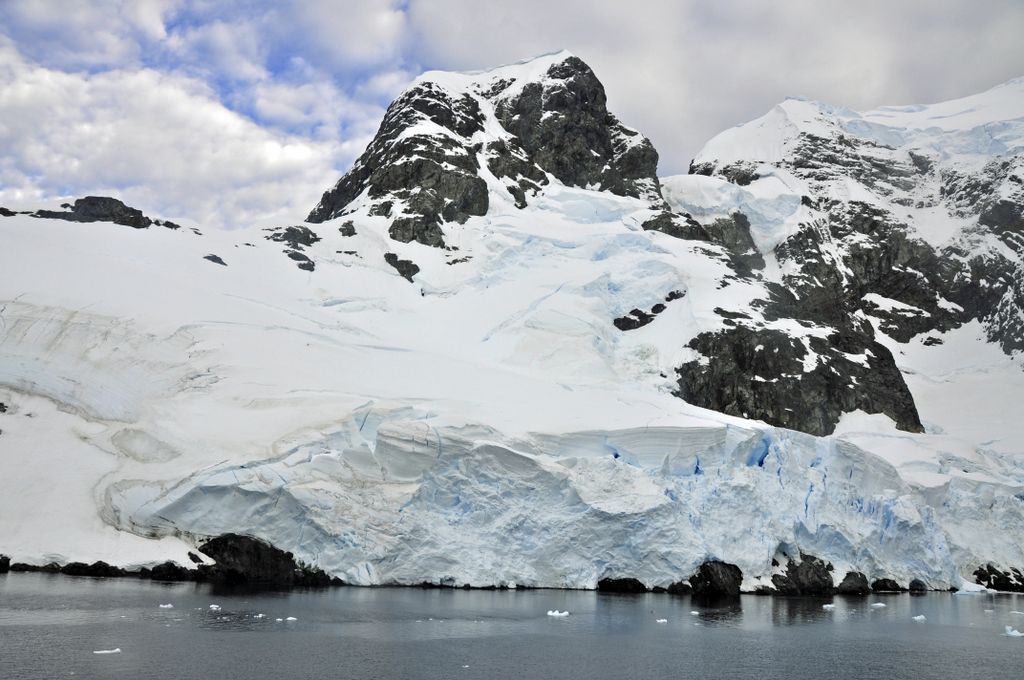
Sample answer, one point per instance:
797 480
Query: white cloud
75 34
161 142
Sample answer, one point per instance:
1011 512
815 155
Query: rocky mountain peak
450 136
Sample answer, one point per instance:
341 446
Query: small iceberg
117 650
828 607
167 606
920 618
877 605
260 616
1013 632
555 612
695 613
291 618
279 620
990 611
215 607
1017 612
661 621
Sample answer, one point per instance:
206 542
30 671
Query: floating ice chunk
695 613
1013 632
555 612
167 606
291 618
661 621
989 611
877 605
828 606
279 620
260 616
920 618
1017 612
117 650
215 607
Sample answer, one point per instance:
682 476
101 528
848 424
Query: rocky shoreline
249 562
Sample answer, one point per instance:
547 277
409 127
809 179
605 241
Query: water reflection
400 632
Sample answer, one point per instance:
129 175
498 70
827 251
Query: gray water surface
51 625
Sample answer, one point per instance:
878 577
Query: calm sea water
50 627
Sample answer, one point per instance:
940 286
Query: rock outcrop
854 583
425 167
808 576
717 579
242 560
621 585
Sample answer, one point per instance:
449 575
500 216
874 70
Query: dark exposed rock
621 585
347 228
407 268
638 318
420 229
1011 580
51 568
563 125
679 226
435 177
918 586
250 561
759 374
635 319
854 583
196 559
5 564
717 579
4 212
3 407
100 209
886 585
169 571
680 588
302 259
811 576
297 237
215 259
101 569
734 233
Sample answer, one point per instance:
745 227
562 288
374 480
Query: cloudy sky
233 112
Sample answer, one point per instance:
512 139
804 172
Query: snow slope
485 423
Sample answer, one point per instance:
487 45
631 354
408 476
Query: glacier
484 424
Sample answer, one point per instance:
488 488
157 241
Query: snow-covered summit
980 125
455 145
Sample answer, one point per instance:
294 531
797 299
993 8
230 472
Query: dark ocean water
50 627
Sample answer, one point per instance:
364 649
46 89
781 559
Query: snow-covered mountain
500 350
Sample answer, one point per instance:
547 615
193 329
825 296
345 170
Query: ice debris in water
117 650
920 618
1013 632
215 607
877 605
167 606
279 620
291 618
989 611
661 621
1017 612
260 616
695 613
828 606
555 612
